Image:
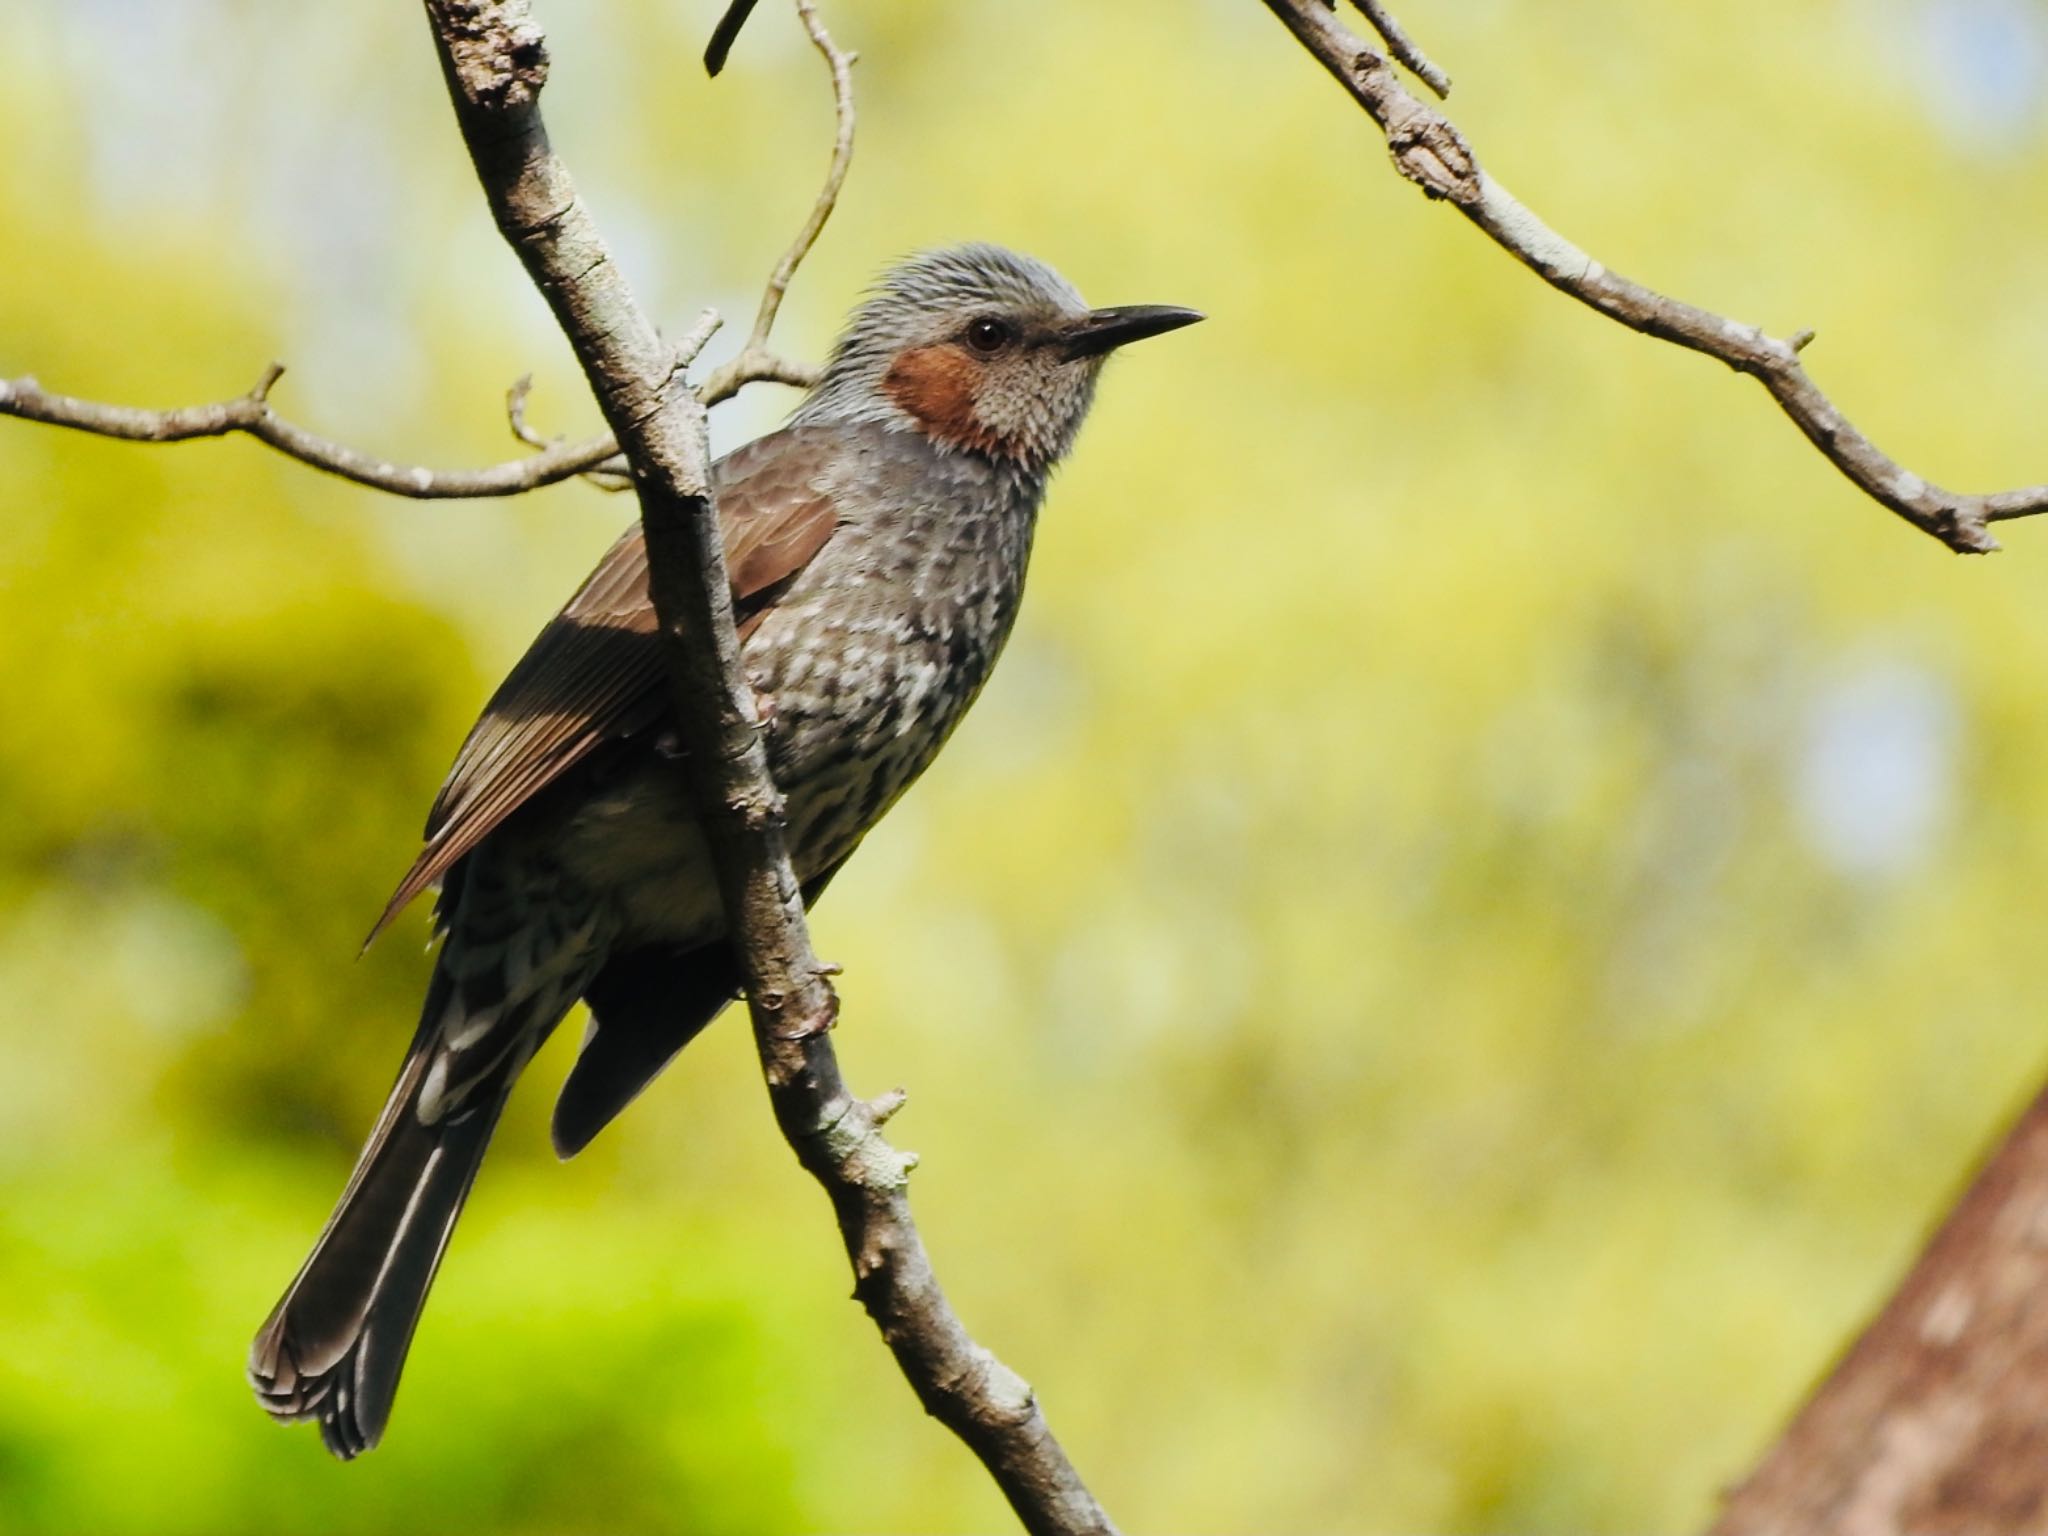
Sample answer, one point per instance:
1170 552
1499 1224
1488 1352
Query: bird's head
982 350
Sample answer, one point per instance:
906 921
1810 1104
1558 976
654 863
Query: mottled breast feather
594 674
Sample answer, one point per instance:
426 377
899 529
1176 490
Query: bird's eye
987 334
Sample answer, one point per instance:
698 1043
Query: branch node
1430 152
811 1025
872 1259
260 395
1800 339
1962 529
884 1107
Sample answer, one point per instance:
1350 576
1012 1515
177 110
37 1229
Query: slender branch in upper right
1429 150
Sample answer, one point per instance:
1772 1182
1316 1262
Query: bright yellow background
1489 905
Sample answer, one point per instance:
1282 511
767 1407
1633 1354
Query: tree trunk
1936 1421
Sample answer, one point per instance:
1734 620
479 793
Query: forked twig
754 359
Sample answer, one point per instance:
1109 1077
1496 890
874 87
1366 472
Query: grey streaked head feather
923 299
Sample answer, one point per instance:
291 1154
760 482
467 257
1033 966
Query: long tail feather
335 1344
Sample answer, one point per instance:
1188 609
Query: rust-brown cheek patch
936 385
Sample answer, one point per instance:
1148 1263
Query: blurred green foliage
1487 909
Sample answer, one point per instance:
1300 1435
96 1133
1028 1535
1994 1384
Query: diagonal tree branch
1429 151
495 61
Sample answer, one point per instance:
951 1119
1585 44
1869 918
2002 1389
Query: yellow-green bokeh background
1488 906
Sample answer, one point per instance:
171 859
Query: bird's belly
861 692
637 841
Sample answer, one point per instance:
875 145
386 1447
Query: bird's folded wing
594 674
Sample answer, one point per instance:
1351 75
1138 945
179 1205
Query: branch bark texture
1429 150
495 62
1936 1421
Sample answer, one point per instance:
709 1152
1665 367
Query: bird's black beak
1103 330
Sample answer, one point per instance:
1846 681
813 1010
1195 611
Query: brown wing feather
594 674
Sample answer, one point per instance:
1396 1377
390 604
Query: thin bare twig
1402 46
754 358
1429 151
253 415
755 361
841 66
695 340
597 459
725 34
495 62
515 414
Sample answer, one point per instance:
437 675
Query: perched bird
877 546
